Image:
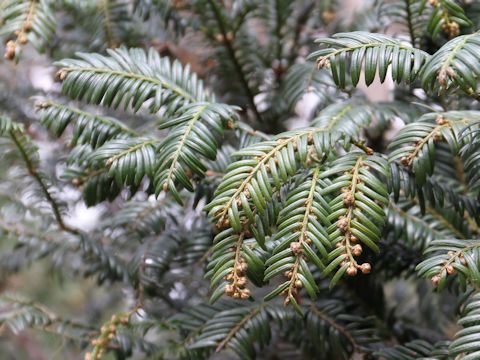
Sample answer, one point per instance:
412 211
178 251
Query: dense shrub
221 223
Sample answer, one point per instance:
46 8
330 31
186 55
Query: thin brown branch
336 326
233 57
34 173
237 327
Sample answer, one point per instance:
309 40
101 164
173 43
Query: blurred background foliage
137 251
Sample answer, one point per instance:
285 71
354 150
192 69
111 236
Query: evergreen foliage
229 228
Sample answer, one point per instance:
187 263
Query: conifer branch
233 57
33 171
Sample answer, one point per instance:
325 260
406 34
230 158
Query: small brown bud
287 301
229 36
352 270
348 199
365 268
357 250
450 72
296 248
437 136
239 271
321 62
353 238
10 50
22 39
440 120
442 77
229 289
236 295
242 281
298 284
165 188
343 224
328 15
435 280
450 269
453 29
27 26
42 105
61 74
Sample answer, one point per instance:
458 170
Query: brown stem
235 329
231 53
409 22
336 326
108 22
34 173
251 132
361 145
300 22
